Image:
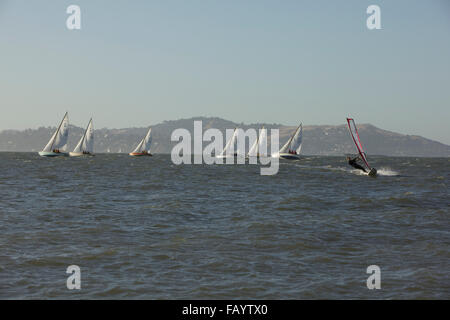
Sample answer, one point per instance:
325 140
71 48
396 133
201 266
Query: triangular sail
147 141
253 152
296 144
262 142
63 135
139 147
49 145
60 137
285 148
86 143
355 136
231 143
78 146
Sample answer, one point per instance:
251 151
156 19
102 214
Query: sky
137 63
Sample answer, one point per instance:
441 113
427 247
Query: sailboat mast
53 142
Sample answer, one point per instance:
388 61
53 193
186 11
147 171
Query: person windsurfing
362 155
354 163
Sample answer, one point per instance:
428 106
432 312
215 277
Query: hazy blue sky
136 63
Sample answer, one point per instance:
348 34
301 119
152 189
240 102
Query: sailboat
56 146
291 150
85 146
260 141
143 148
230 146
357 141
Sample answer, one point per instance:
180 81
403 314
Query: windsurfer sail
362 155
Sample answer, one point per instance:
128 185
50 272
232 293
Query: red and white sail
355 136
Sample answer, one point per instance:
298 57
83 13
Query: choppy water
143 228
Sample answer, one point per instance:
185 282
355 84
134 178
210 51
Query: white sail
253 152
60 137
145 143
262 138
78 147
296 144
48 147
262 141
63 134
86 143
139 147
231 144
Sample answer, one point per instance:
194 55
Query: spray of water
387 172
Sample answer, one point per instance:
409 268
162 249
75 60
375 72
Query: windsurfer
354 163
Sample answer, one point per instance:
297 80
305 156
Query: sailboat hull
53 154
289 156
140 154
80 154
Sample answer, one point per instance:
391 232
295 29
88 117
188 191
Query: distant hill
317 140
